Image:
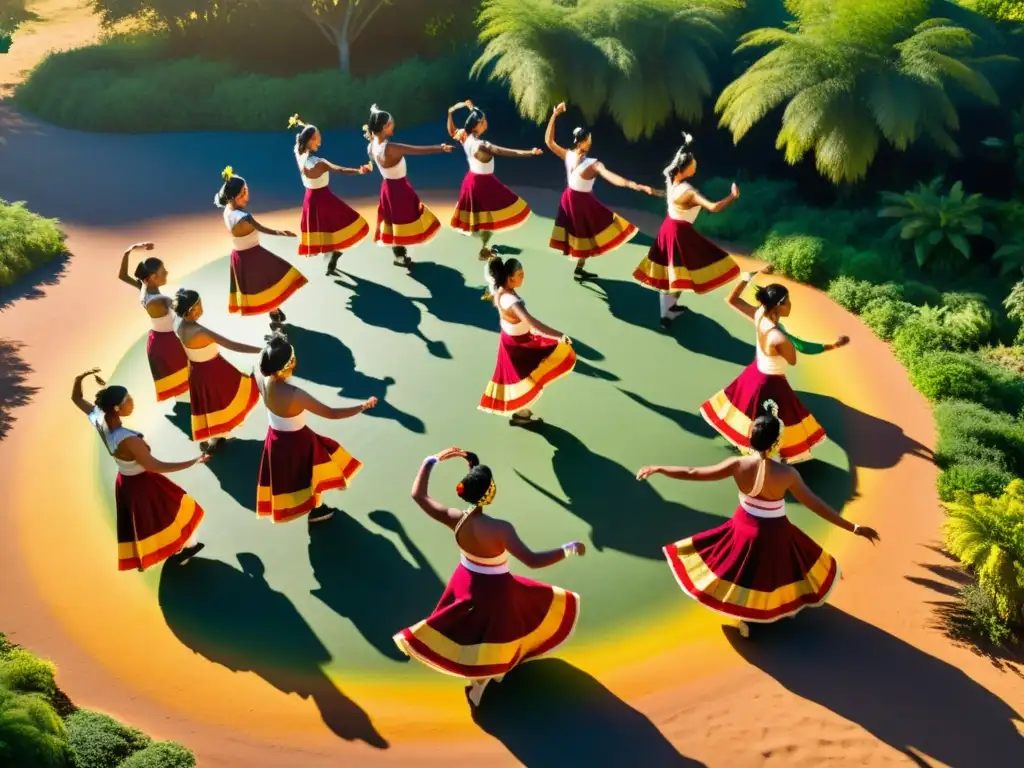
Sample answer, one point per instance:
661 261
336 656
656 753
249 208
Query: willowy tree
341 21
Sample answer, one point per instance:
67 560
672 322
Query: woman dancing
485 205
167 359
487 621
531 355
260 281
584 227
402 220
758 566
681 259
732 410
298 464
219 394
328 225
156 519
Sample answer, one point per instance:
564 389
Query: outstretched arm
693 197
620 181
419 493
398 151
227 343
140 453
266 230
311 404
720 471
494 149
76 391
544 330
509 538
549 132
320 167
810 499
813 347
122 274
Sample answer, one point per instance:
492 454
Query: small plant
964 376
99 741
979 617
923 333
28 240
24 672
31 732
1008 358
801 257
1014 304
885 316
855 295
161 754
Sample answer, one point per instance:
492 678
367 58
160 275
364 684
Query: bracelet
569 550
430 461
856 529
748 276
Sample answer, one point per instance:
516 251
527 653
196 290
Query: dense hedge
27 240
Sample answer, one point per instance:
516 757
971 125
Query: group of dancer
756 567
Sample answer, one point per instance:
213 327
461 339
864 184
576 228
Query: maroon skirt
220 397
329 224
168 363
526 364
401 218
260 281
486 624
732 412
584 227
681 259
155 519
296 467
753 568
487 205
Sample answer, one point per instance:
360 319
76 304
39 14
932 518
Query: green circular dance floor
294 596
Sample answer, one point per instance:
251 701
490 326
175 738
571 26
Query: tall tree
13 14
341 21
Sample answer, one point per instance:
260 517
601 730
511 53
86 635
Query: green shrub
745 221
871 265
963 376
980 618
24 672
1008 358
923 333
885 316
161 754
801 257
100 741
1014 305
31 733
921 294
968 318
978 450
972 477
6 646
855 295
26 241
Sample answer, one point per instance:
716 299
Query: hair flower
460 489
294 120
227 173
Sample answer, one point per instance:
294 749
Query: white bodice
163 324
471 145
286 423
505 303
761 507
574 172
487 565
676 211
232 216
202 354
376 151
308 161
112 438
771 364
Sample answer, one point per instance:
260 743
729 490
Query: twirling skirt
734 409
584 227
260 281
487 623
297 466
329 224
526 364
221 397
681 259
401 218
155 519
487 205
168 363
753 568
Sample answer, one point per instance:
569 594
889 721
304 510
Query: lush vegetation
27 240
39 727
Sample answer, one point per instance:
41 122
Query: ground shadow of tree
14 392
30 286
342 552
910 700
549 713
234 618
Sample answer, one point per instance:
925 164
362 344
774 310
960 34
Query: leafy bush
744 222
921 294
979 616
1014 305
855 295
972 477
978 450
26 241
1008 358
885 316
871 265
963 376
31 732
801 257
100 741
968 318
24 672
161 754
924 332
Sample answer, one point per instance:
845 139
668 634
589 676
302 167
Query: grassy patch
27 240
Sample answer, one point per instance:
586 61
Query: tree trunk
344 60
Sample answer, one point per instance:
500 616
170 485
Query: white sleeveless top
487 565
676 211
280 423
112 438
376 151
232 216
202 354
163 324
574 172
308 161
505 302
773 365
756 507
470 146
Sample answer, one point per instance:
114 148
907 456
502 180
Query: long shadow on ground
901 695
237 468
14 392
549 713
234 618
342 552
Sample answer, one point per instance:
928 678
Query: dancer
156 520
328 225
531 355
732 410
487 621
485 205
297 464
167 359
220 395
758 566
402 220
260 281
681 259
584 227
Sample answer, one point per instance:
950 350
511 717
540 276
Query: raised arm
544 330
810 499
452 130
719 471
549 132
734 299
509 538
122 274
227 343
693 197
140 453
420 495
76 391
620 181
311 404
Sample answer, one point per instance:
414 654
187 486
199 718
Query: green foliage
979 450
872 265
802 257
885 316
27 240
1009 358
763 204
921 294
31 732
972 476
964 376
13 13
643 62
933 329
100 741
1014 305
161 754
855 295
1000 10
24 672
979 616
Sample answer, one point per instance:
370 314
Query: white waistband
286 423
163 324
129 468
469 565
202 354
762 508
771 365
245 242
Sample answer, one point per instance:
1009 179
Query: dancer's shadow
383 307
585 354
691 422
623 513
181 417
14 392
901 695
237 468
549 713
234 618
836 486
326 360
451 299
342 552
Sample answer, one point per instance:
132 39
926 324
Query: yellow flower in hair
294 120
227 173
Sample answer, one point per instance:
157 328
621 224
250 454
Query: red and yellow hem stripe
209 425
671 279
503 399
491 660
734 426
611 237
469 222
143 554
331 475
268 300
413 233
172 385
314 243
698 581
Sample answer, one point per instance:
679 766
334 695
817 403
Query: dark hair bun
475 484
108 398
